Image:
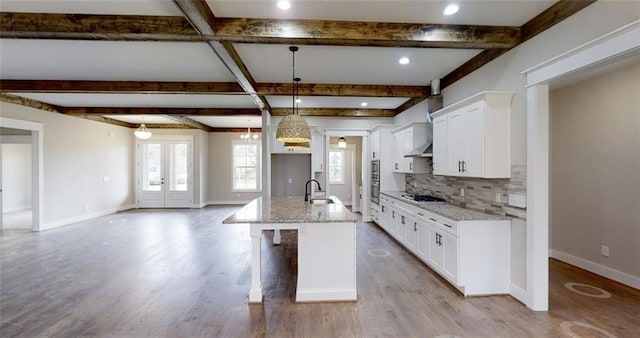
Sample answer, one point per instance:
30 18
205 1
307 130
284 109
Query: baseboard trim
16 208
86 217
518 293
322 295
598 269
199 206
227 202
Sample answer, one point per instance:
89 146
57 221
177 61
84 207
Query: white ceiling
143 100
137 119
42 59
110 60
337 102
131 7
351 65
472 12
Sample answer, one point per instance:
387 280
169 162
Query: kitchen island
326 245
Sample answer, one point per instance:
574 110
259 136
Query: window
246 166
336 166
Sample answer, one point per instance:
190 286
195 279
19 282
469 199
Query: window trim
344 167
258 166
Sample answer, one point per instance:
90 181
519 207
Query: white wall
595 170
219 172
77 154
504 74
16 177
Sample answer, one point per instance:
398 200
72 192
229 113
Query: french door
165 168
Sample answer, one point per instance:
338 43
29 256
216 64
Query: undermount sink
321 201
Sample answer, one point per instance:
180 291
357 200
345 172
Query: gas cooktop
422 198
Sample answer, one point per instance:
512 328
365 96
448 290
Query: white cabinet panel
375 144
475 140
317 151
407 138
450 257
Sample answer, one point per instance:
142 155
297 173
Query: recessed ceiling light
284 4
298 100
363 104
451 9
404 61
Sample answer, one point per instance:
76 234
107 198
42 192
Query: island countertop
291 209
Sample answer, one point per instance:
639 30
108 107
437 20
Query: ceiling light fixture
404 60
363 104
284 5
342 143
293 128
297 145
451 9
142 132
248 137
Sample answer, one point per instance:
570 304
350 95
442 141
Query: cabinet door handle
374 154
415 226
383 208
410 166
432 219
459 166
463 164
447 225
420 214
393 214
402 219
396 166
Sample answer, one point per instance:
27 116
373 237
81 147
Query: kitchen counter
291 209
445 209
326 245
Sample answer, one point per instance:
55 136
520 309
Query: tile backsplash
479 193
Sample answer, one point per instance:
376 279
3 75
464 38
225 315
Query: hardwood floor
182 273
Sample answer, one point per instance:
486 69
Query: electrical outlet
519 201
604 250
498 197
290 180
461 192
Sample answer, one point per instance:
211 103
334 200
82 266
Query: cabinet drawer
442 223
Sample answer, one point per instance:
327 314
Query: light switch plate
518 201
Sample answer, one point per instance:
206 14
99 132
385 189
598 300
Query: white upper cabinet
473 137
407 138
375 144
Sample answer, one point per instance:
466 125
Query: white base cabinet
474 256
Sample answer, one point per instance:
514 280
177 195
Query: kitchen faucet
306 189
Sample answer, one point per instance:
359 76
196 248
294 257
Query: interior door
164 179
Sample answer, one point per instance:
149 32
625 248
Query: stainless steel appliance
375 181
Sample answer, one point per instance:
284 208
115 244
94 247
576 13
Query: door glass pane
178 167
151 167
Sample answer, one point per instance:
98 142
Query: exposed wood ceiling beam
190 122
551 16
235 130
160 111
541 22
359 33
336 112
96 27
128 87
353 90
167 126
209 28
221 88
408 104
202 19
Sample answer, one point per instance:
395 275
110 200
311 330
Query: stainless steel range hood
434 103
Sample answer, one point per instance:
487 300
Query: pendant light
342 143
297 145
293 128
142 132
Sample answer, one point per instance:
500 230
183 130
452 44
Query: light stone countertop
447 210
290 209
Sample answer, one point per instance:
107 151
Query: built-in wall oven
375 181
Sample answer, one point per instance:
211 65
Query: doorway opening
165 172
343 168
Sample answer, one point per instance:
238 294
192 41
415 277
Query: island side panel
326 262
